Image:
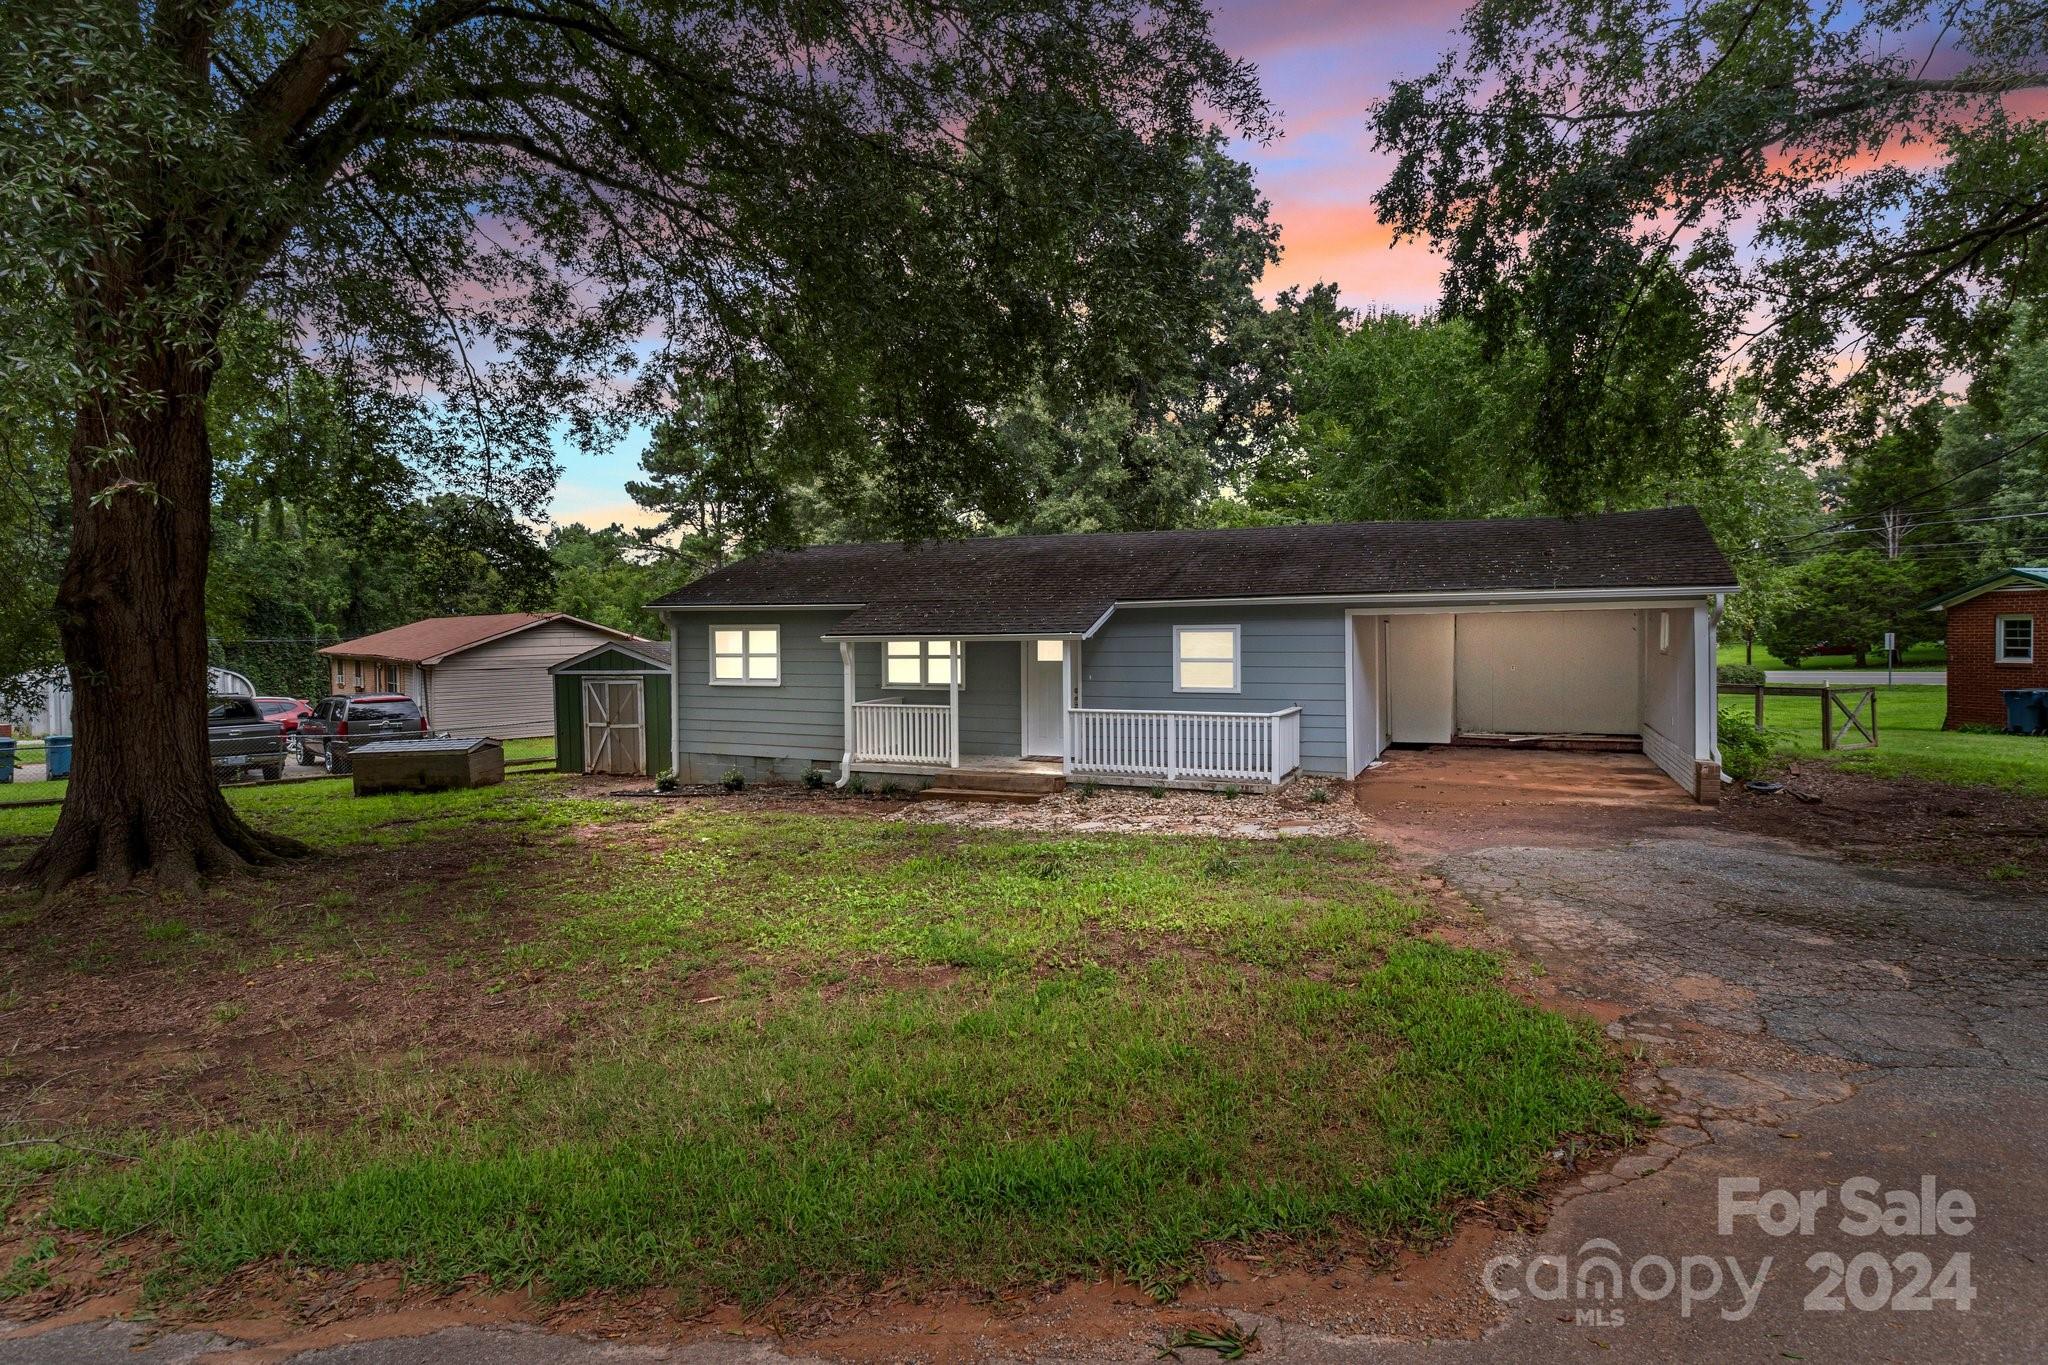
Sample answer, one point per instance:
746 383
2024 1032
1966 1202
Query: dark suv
338 722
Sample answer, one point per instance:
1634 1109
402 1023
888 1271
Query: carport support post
1706 711
953 651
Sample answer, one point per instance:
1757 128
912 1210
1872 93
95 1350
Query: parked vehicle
288 712
239 740
338 722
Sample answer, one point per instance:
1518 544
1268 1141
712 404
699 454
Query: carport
1522 671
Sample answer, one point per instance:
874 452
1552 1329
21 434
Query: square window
2015 640
746 656
920 663
1205 658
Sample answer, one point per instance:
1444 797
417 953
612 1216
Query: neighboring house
50 713
612 710
1203 657
1994 643
471 675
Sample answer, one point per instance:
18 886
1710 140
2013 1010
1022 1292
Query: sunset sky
1322 62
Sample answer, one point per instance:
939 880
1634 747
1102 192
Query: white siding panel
1420 677
1547 672
1667 694
502 689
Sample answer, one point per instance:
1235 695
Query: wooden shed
612 710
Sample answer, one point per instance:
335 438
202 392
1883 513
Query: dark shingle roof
1058 585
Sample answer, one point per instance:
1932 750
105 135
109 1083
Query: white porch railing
892 731
1171 745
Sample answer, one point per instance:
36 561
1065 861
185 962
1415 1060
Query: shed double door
614 727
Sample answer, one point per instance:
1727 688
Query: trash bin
57 754
6 760
2023 710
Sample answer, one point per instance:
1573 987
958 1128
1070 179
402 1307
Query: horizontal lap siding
1293 656
799 718
991 722
503 688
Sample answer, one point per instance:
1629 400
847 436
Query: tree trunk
132 614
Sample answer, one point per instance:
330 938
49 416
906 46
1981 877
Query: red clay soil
1978 832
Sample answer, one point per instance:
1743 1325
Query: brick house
1994 643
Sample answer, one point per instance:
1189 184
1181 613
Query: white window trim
712 657
1998 654
1236 660
924 666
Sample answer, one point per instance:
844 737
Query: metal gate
614 727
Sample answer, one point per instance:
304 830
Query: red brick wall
1974 680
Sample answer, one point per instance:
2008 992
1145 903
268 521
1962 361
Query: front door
612 725
1044 732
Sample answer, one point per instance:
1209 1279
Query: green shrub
1745 750
665 782
1232 792
814 778
1319 796
857 784
1155 792
1741 675
734 780
1090 789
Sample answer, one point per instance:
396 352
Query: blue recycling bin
2024 708
6 760
57 755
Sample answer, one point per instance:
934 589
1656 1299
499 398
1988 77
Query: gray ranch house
1202 658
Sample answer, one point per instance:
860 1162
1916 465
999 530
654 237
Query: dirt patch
1290 811
1982 833
142 1011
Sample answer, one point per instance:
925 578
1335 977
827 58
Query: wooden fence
1856 707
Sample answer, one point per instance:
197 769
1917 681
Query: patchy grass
817 1050
1911 741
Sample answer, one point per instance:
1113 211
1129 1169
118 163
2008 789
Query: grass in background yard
1910 741
1926 654
827 1049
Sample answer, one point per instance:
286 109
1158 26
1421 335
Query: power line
1849 523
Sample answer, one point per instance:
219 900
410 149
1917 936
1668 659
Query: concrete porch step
984 795
997 780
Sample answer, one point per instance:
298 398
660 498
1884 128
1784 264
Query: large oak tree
894 214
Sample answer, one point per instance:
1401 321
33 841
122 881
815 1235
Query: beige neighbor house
471 675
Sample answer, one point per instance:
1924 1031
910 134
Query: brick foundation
1974 681
1706 787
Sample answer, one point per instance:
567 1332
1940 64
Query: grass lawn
15 793
1911 741
750 1048
1926 654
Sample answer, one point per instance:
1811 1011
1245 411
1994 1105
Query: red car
286 711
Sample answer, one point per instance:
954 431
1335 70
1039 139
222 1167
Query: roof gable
2018 577
433 639
1061 585
636 656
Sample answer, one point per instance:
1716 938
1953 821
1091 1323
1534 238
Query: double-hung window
2015 640
1205 659
746 656
920 663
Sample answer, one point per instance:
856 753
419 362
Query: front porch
1012 706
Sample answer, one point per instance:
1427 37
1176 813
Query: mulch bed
1984 833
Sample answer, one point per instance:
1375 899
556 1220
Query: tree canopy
1846 202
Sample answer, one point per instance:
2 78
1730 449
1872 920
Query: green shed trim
654 719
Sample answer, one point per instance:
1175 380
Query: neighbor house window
746 656
921 663
2015 639
1205 658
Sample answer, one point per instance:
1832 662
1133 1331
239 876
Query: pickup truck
337 722
240 740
